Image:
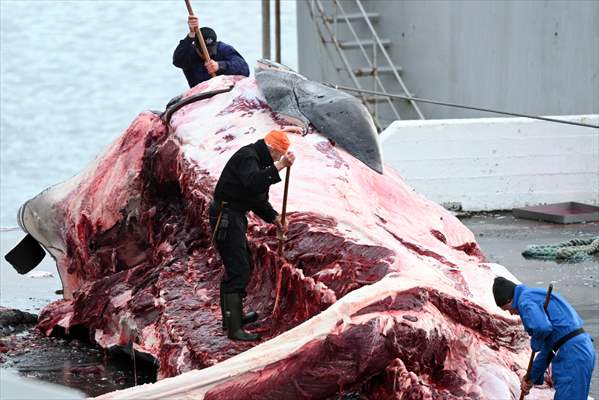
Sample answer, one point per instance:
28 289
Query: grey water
74 74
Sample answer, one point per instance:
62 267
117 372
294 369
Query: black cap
503 290
209 36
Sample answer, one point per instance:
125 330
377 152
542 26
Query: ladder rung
369 71
365 43
353 17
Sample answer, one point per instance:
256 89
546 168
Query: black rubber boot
248 318
251 316
233 319
222 307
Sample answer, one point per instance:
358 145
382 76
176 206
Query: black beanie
209 36
503 290
210 39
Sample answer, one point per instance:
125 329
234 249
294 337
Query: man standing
225 60
243 186
556 335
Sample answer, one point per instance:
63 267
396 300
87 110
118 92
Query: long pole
278 288
284 211
266 29
443 103
199 37
532 356
278 31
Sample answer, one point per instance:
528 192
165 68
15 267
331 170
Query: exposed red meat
380 293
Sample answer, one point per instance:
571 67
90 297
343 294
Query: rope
444 103
573 250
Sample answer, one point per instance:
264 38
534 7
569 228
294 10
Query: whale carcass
380 293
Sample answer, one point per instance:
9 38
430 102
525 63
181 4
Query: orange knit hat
277 140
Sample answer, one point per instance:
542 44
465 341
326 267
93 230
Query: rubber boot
222 307
233 319
248 318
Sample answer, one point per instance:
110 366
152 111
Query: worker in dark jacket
556 335
225 60
243 186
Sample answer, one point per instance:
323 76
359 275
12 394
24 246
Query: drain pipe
266 29
278 31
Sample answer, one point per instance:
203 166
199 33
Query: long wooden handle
199 37
284 211
532 356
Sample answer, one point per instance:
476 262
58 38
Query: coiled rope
573 250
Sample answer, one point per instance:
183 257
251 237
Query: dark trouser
231 243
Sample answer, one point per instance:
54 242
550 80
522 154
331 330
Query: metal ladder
327 29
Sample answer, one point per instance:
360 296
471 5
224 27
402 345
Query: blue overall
574 362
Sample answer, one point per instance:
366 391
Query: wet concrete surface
89 369
503 238
70 363
37 358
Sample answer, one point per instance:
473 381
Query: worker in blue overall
556 335
224 59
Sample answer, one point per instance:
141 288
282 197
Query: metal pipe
278 31
443 103
266 29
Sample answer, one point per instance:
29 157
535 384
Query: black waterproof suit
243 186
